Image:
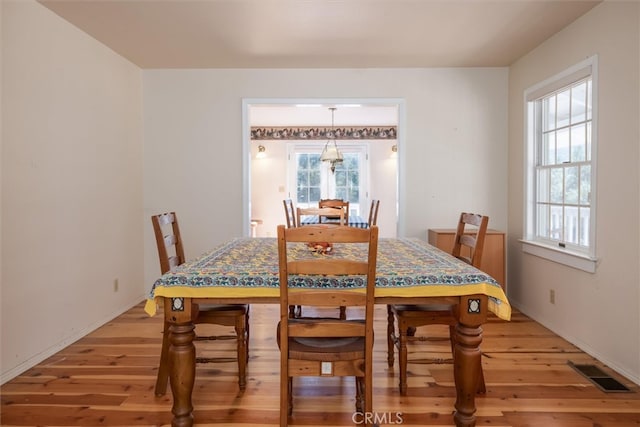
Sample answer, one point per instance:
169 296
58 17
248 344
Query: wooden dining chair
373 212
330 212
171 254
326 347
292 221
335 203
290 213
468 246
336 214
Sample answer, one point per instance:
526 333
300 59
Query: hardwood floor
107 379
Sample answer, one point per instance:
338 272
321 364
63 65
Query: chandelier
330 153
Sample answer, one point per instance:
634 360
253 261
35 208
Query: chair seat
407 308
326 349
223 307
224 314
320 348
231 309
412 316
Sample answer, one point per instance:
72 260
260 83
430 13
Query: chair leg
290 396
295 311
482 388
343 312
360 394
402 357
247 335
163 370
241 344
391 336
285 400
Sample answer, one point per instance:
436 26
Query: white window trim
586 261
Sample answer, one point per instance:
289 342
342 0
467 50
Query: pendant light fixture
331 153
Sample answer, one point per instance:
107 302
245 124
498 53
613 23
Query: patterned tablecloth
354 221
248 267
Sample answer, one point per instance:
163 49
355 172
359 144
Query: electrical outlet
326 368
552 296
116 285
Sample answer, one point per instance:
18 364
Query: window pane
562 146
562 115
302 195
543 221
578 143
549 149
348 180
351 161
303 178
543 185
584 226
314 178
354 195
557 185
314 194
585 185
571 185
307 178
314 161
571 224
549 113
303 161
589 141
578 103
555 228
354 178
589 96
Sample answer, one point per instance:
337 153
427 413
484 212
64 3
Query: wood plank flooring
107 379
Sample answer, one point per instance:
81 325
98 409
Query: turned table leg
182 360
466 370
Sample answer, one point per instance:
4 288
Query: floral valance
322 133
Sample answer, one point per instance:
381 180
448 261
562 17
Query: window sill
562 256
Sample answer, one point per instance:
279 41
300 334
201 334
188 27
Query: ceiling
320 33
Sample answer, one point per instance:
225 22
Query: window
347 179
308 179
560 211
313 180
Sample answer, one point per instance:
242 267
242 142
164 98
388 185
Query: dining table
409 270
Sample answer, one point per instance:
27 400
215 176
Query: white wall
453 154
71 185
597 312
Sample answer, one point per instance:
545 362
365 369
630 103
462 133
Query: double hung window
560 203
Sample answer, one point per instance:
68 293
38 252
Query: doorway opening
277 173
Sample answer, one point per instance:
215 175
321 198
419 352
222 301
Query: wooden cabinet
493 254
